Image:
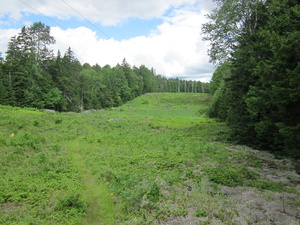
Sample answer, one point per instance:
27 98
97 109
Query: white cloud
174 48
106 12
5 35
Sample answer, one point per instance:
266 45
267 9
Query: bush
229 176
267 185
71 201
154 193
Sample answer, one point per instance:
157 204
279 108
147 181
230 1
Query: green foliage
229 176
137 164
154 193
70 201
32 76
259 97
218 106
227 23
205 222
180 212
267 185
201 213
25 77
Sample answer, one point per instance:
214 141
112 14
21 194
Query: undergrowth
153 158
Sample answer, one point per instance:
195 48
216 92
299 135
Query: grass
154 158
99 205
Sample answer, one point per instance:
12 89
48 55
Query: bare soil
242 205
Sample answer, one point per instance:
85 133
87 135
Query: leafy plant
91 168
229 176
154 193
201 213
70 200
267 185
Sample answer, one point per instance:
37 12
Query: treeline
256 87
32 76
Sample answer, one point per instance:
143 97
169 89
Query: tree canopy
256 87
31 75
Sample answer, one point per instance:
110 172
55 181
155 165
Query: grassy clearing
155 160
100 208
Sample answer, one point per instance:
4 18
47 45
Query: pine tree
259 97
29 84
68 81
131 79
274 102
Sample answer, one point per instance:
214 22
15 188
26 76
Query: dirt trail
100 207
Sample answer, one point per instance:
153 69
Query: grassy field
155 160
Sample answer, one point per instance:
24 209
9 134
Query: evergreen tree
91 88
31 76
111 91
274 101
69 81
131 79
146 75
3 85
256 92
122 91
29 84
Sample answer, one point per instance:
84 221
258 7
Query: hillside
155 160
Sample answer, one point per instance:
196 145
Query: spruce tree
259 98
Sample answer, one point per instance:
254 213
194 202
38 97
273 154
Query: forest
255 88
33 76
254 44
194 156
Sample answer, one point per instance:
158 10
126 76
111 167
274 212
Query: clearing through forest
155 160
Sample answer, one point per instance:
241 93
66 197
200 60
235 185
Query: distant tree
40 38
147 78
70 81
32 76
4 85
91 85
131 78
121 85
29 84
111 91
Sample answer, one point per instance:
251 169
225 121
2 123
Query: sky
163 34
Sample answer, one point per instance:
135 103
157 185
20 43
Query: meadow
155 160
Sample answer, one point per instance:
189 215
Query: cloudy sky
163 34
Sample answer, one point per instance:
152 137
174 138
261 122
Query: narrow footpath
100 207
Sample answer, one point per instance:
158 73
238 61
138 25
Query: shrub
201 213
71 201
267 185
154 193
229 176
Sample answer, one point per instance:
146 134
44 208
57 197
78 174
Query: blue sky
164 35
131 27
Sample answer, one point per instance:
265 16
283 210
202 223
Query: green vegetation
152 159
32 76
256 86
158 158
